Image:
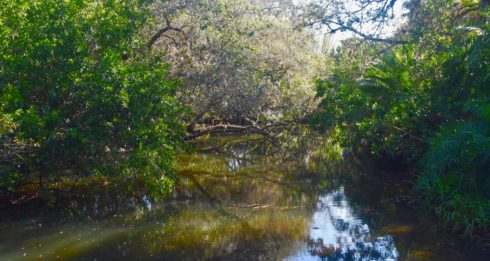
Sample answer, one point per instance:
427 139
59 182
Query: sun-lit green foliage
79 94
425 101
237 60
95 90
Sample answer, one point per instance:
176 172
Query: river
243 198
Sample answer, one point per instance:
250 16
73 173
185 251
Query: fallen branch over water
228 128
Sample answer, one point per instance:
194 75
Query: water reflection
239 198
337 234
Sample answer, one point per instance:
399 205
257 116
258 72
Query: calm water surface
241 198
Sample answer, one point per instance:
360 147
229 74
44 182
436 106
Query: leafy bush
425 101
455 176
79 93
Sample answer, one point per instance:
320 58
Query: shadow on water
241 198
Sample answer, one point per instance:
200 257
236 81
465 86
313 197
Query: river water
242 198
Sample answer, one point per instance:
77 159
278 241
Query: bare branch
160 32
377 12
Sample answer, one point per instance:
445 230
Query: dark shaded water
241 198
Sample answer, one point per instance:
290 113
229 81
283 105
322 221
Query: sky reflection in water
335 232
249 200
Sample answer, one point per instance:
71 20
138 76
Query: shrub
79 93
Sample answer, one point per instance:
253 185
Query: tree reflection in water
239 198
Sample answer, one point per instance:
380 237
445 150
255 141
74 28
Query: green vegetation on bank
80 96
109 89
425 103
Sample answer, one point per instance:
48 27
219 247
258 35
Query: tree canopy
112 89
79 93
238 60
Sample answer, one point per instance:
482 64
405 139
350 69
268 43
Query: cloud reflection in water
337 234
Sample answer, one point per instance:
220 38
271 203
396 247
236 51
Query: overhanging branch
160 32
342 27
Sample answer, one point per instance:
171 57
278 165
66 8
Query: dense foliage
80 96
97 88
108 88
425 102
240 59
